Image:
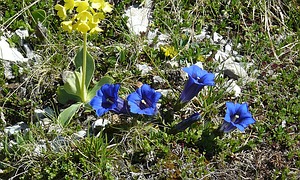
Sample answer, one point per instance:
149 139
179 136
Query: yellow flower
61 11
97 4
69 4
107 7
67 26
84 16
81 5
169 51
89 14
98 17
83 27
101 5
95 30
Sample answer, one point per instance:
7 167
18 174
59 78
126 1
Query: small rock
10 54
233 70
158 79
202 35
172 64
46 112
228 48
10 130
80 134
22 33
40 148
221 56
151 35
232 87
100 123
217 37
54 128
162 40
143 68
138 19
165 92
283 124
45 122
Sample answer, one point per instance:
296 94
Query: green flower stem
83 87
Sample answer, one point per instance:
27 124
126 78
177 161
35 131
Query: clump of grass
268 34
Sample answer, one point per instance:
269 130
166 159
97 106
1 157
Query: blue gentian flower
143 100
237 116
198 78
107 99
185 123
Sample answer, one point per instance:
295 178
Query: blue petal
188 70
96 102
198 71
230 111
134 98
247 121
101 111
208 79
99 92
146 93
244 112
190 90
240 127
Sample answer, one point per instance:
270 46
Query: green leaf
103 80
65 117
39 15
63 97
90 66
73 83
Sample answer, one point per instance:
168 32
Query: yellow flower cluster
87 16
169 51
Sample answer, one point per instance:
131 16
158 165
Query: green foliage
65 117
144 149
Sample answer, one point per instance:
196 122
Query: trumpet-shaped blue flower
143 100
107 99
237 116
185 123
198 78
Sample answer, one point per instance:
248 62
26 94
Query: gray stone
138 19
80 134
165 92
200 37
232 87
40 148
158 79
10 130
217 37
172 64
143 68
100 123
228 48
221 56
233 70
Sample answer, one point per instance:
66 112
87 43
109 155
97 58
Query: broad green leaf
73 83
103 80
65 117
39 15
90 66
63 97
